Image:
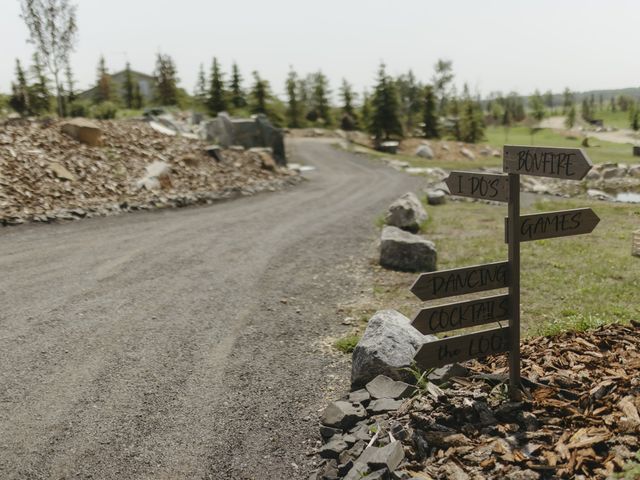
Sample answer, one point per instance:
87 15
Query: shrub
104 111
79 108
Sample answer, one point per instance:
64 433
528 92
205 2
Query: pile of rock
66 170
400 247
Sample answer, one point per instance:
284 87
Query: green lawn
603 153
570 283
616 119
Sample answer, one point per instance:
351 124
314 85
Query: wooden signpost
564 163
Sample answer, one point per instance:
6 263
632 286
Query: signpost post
564 163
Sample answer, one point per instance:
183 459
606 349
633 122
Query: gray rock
634 170
406 213
383 405
424 151
404 251
360 396
385 387
328 432
378 475
333 448
613 172
442 374
389 456
387 347
343 414
214 151
436 197
598 194
467 153
593 175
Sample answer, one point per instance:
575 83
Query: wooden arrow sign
462 347
459 281
563 223
453 316
485 186
567 163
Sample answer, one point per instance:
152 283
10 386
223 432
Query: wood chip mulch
578 418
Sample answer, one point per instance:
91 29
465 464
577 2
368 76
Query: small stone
436 197
343 414
61 172
442 374
361 396
424 151
328 432
333 448
389 456
385 387
467 153
383 405
214 151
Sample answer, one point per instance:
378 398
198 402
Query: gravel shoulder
158 345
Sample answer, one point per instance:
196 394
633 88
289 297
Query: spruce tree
103 91
166 81
294 107
365 110
19 100
259 94
127 86
430 117
217 101
39 93
567 100
471 120
71 89
137 99
319 100
411 95
385 118
536 104
349 119
570 119
586 110
441 80
200 93
238 99
634 116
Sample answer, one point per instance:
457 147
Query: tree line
395 106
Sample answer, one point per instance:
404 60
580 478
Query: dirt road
183 344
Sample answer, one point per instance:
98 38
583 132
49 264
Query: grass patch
572 283
347 343
631 470
605 152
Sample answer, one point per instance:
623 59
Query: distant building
145 82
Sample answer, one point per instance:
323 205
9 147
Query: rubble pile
46 174
578 418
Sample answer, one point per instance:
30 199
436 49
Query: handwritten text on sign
567 163
463 347
484 186
459 281
453 316
563 223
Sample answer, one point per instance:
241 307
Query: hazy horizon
495 45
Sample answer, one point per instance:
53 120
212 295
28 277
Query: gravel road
184 344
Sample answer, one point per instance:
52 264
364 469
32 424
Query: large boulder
404 251
387 347
83 130
406 213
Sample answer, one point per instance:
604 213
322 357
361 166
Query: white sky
494 44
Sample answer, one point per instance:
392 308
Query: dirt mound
45 174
